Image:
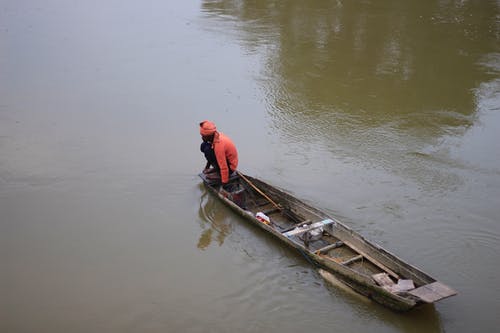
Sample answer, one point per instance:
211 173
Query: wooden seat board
432 292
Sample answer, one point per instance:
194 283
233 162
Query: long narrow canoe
341 253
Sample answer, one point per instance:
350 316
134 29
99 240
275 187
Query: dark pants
208 151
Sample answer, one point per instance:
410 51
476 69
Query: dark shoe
212 176
207 171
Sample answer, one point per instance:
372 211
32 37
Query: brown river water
385 114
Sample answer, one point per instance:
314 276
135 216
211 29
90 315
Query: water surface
383 113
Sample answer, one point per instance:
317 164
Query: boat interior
313 231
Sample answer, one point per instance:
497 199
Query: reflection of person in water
215 227
220 152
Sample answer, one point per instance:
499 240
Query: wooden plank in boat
373 261
330 247
351 260
433 292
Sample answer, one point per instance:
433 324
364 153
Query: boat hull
291 209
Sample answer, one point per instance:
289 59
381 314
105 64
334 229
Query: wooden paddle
259 191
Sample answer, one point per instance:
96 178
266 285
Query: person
220 153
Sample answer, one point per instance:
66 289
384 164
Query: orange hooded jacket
226 154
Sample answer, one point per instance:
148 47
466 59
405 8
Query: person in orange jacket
220 152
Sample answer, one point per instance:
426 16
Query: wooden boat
341 253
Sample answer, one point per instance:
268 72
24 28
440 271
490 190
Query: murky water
383 113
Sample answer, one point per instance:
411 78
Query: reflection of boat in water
342 254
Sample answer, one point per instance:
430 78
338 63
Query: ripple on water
471 253
270 282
